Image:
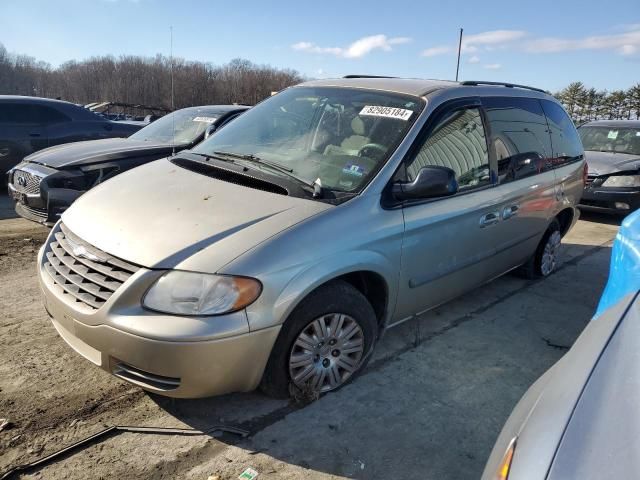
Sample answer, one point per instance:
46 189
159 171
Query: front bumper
39 203
605 199
183 357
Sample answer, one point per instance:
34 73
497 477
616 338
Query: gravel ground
429 405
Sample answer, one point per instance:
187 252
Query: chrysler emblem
82 252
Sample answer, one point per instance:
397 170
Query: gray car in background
276 252
580 419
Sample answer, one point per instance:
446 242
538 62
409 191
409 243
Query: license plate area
19 196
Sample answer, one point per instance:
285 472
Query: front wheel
325 342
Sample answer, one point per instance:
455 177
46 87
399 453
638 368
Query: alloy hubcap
550 254
327 352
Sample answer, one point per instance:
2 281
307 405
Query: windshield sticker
352 169
637 134
613 134
389 112
205 119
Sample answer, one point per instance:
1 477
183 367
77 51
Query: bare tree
142 80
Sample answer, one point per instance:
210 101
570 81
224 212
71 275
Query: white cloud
624 43
357 49
432 52
493 38
488 41
492 66
474 59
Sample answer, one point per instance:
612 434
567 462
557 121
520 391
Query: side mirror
430 182
209 131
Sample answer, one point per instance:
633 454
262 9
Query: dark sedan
580 419
612 150
47 182
29 124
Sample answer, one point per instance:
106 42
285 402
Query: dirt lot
429 405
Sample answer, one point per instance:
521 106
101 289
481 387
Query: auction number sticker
613 134
205 119
388 112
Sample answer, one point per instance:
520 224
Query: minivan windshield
611 139
337 137
179 127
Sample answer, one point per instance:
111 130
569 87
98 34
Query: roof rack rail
368 76
502 84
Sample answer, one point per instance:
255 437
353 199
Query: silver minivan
276 252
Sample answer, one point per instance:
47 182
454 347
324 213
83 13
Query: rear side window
567 147
48 116
24 113
519 137
16 113
458 142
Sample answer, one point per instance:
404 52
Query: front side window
457 142
180 127
338 137
610 139
566 143
519 137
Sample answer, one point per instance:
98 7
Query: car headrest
357 125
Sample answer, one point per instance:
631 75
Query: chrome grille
85 273
25 182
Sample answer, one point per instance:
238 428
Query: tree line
147 81
142 80
584 104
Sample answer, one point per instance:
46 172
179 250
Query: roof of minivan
416 86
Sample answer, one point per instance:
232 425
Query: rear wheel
547 256
325 342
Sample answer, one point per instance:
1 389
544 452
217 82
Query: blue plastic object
624 272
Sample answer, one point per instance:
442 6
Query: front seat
350 145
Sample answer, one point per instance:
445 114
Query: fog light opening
622 206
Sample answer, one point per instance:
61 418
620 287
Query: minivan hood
92 151
160 215
606 163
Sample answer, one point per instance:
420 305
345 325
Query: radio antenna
459 50
173 104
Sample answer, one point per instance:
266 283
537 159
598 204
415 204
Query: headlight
622 181
189 293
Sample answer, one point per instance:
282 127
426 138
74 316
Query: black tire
532 269
335 297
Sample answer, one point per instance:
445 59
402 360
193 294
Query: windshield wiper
316 186
215 157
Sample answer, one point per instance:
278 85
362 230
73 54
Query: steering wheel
372 150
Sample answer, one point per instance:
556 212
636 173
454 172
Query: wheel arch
371 274
566 218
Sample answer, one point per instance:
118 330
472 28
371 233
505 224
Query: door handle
34 134
510 211
489 219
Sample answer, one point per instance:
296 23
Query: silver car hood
602 439
161 215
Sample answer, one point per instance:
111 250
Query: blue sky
543 43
